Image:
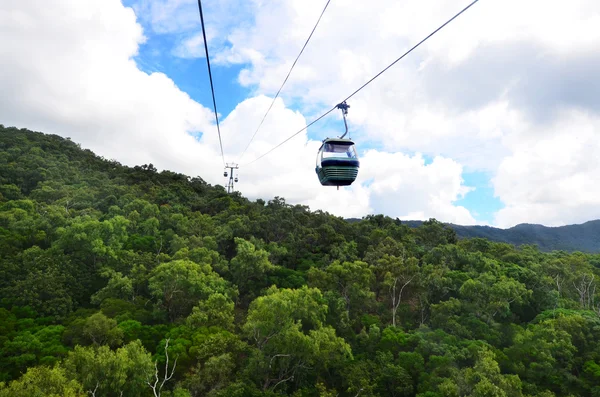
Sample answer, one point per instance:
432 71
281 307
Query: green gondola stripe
337 176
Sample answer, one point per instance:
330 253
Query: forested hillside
118 281
584 237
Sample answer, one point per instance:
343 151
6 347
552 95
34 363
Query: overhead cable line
211 79
286 78
368 82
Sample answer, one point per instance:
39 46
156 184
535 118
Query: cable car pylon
232 179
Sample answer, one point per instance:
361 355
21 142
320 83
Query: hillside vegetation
118 281
584 237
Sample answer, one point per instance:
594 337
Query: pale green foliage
351 280
286 327
98 238
485 379
217 310
178 392
280 308
249 266
101 330
180 284
43 382
125 370
490 297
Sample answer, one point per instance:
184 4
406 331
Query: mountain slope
583 237
109 271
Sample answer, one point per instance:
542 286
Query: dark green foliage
107 271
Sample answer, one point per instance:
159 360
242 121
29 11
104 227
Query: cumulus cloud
493 49
84 83
484 92
181 18
68 69
406 187
504 89
391 183
552 178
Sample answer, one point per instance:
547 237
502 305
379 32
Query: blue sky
481 201
494 120
191 76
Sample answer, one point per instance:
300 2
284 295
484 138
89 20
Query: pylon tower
232 179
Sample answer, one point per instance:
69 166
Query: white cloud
340 59
482 91
390 183
182 18
169 16
407 188
471 97
552 178
84 84
68 69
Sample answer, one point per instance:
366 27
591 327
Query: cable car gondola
337 161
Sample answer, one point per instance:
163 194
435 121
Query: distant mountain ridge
583 237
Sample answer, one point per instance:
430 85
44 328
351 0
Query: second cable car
337 161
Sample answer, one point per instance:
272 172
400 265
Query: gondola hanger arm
344 108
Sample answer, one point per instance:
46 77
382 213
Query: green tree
105 372
485 379
249 268
118 286
217 310
286 327
180 284
101 330
351 280
43 382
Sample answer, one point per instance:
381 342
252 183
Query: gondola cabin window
339 150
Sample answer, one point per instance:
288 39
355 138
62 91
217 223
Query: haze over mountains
584 237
